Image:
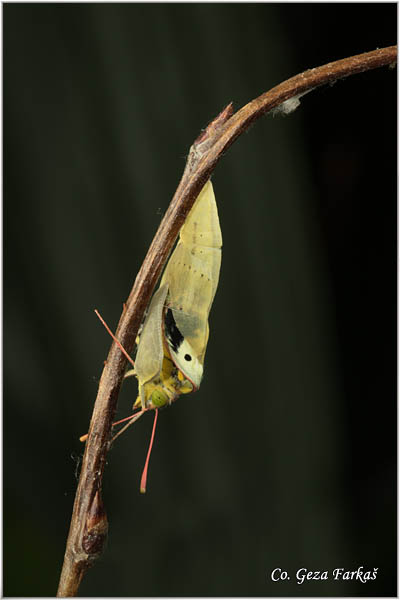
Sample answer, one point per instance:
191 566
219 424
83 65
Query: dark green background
286 457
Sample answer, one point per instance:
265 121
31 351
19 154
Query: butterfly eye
158 398
188 357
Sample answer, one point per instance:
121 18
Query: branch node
96 529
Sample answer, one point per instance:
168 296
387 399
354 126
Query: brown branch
88 527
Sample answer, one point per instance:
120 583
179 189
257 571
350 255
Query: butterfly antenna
120 346
123 420
83 438
133 419
143 481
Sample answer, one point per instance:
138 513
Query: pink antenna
132 418
123 420
120 346
83 438
143 481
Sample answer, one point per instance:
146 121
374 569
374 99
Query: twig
88 528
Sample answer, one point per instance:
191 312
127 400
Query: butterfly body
172 345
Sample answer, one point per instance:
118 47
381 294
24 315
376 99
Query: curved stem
89 522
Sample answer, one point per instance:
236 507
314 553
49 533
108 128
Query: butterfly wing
192 276
149 356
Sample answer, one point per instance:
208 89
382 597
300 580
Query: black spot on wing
172 333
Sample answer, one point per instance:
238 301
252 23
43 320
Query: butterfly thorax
165 388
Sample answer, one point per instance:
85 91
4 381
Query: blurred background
286 456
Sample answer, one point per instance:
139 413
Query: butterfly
172 343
